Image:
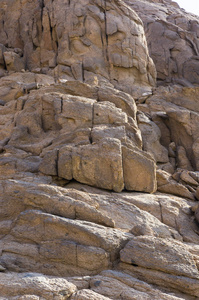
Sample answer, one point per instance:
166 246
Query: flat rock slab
165 255
33 284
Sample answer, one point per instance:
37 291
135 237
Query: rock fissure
106 37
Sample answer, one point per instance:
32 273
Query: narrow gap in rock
106 37
90 136
42 11
161 214
57 162
61 105
83 77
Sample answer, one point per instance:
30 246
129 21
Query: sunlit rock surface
99 165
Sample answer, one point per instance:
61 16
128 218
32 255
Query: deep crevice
161 214
57 163
92 125
61 105
106 39
83 77
42 11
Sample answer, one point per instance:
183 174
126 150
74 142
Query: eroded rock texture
99 168
173 39
84 40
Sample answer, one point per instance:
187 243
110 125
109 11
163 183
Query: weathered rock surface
99 181
76 137
174 111
120 285
163 255
173 39
88 295
101 40
34 286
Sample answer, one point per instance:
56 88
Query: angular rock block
165 255
13 61
139 171
100 165
106 164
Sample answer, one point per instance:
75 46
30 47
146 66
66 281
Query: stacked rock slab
76 137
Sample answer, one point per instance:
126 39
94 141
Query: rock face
88 41
99 167
173 39
79 136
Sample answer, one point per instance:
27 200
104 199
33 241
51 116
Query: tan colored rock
103 131
188 178
47 199
101 55
106 113
120 99
48 165
168 167
139 171
180 125
70 141
25 284
89 247
175 53
88 295
51 123
100 165
141 216
164 255
196 152
151 139
195 176
13 61
182 160
63 161
77 112
166 184
78 88
184 285
119 284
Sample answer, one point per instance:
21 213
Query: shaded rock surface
173 39
99 173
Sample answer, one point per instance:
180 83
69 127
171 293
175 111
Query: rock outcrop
99 166
85 40
173 39
79 136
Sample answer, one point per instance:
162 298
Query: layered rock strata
82 135
86 139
